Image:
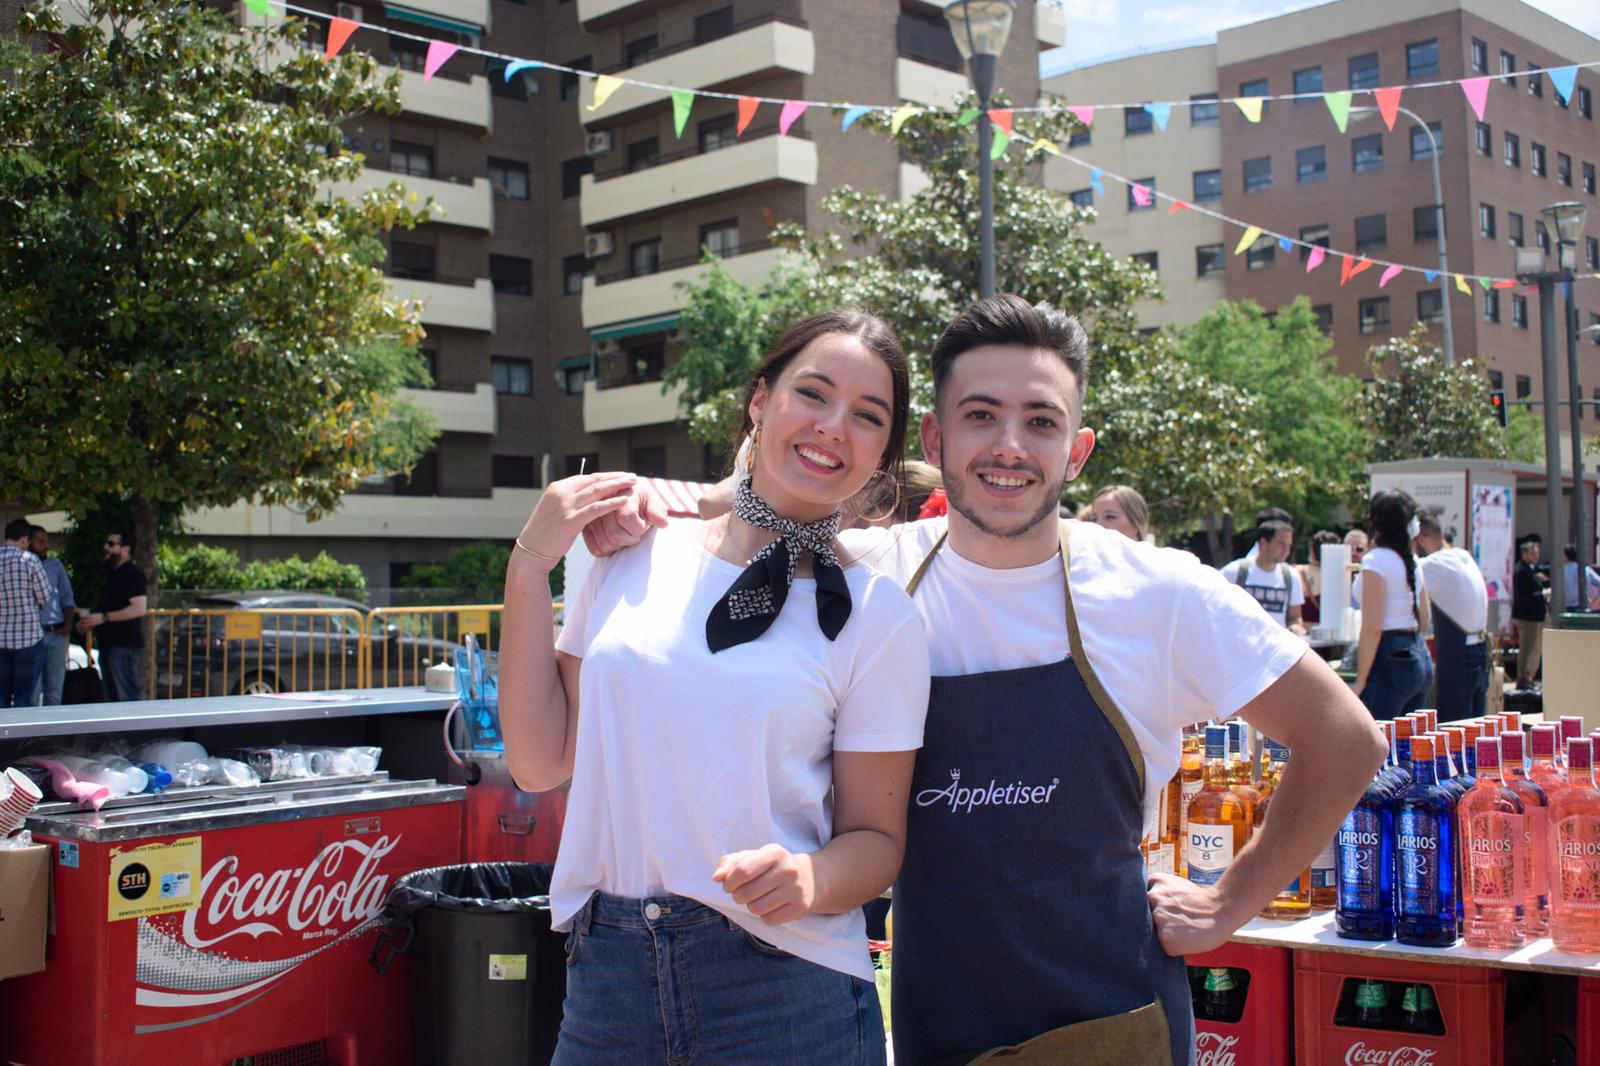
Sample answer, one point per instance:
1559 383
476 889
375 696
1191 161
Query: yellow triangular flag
604 86
900 117
1250 237
1045 144
1461 283
1251 106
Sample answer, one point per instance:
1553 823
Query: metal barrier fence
405 641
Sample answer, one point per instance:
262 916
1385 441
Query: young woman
742 749
1393 670
1121 508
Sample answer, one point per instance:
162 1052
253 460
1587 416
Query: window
1430 307
1149 183
713 24
1486 221
1497 380
1491 306
588 463
1151 260
721 238
1480 57
513 88
1136 121
650 461
1564 168
1311 164
1374 315
511 274
1594 323
1536 84
1421 146
572 374
572 172
1585 102
1308 80
1519 312
1514 228
1364 71
1513 150
1536 159
1207 186
1258 174
1422 58
511 377
509 178
1425 223
513 472
1372 233
1485 139
1524 387
1313 235
1208 259
925 36
644 257
1588 178
430 366
1257 87
1591 252
715 133
1262 254
415 160
1205 111
639 51
574 268
642 155
1082 197
424 479
569 81
1324 313
1080 138
1508 67
1366 153
646 361
408 260
1541 238
408 54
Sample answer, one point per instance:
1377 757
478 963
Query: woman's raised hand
566 507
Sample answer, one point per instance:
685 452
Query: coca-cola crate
1471 1021
1588 1019
1258 1030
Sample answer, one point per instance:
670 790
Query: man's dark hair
34 531
1010 320
1271 528
1429 525
18 528
128 539
1571 552
1273 514
1529 538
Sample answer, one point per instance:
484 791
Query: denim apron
1020 914
1459 669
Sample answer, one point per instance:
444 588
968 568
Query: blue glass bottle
1365 856
1425 833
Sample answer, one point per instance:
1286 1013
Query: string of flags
1339 104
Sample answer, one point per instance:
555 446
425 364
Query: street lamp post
980 28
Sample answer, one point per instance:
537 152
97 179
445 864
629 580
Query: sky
1097 29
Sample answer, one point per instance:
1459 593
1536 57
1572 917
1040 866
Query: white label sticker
1210 852
1161 859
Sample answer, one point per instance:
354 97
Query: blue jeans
687 987
19 674
1401 675
53 670
119 672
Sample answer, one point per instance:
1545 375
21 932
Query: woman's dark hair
1388 515
1007 319
1318 539
871 331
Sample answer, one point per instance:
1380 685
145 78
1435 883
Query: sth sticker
508 967
154 879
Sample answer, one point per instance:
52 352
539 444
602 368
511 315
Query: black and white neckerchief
757 595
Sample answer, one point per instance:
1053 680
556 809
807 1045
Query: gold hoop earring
755 448
894 508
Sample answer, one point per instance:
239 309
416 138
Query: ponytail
1389 518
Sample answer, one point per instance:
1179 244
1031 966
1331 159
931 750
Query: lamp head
980 27
1567 219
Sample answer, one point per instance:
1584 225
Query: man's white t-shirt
1399 600
1456 587
1171 641
1269 587
684 756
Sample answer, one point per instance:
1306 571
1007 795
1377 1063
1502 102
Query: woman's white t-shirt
1397 595
684 756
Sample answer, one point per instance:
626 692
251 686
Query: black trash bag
481 887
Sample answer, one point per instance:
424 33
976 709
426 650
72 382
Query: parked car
297 650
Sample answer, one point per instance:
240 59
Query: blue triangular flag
1094 181
851 115
1564 78
1286 244
520 64
1430 274
1160 112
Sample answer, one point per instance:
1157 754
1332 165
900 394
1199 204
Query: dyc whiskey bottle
1425 817
1493 857
1219 821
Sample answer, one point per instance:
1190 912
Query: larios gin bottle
1365 856
1493 857
1536 870
1425 817
1575 856
1219 820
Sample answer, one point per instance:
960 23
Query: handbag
82 685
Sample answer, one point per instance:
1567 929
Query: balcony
469 204
599 14
454 304
621 298
627 406
684 178
1050 25
923 83
767 45
463 102
443 14
375 515
458 412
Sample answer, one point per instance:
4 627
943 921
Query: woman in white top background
1393 669
741 751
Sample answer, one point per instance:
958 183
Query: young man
1530 593
116 618
1460 601
1268 577
55 617
1067 659
23 593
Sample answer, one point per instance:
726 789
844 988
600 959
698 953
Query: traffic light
1497 400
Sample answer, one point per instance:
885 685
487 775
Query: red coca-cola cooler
227 927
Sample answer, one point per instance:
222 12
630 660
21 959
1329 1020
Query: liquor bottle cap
1510 720
1388 730
1487 752
1422 749
1432 716
1571 726
1580 753
1473 731
1403 728
1216 742
1490 726
1544 741
1512 746
1457 736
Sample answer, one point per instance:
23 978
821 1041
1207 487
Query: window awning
429 19
633 327
574 362
681 497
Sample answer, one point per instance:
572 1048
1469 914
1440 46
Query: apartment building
1367 190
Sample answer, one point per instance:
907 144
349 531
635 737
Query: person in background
884 502
1393 670
1263 516
1528 610
1121 508
1311 575
1269 578
56 618
1356 541
1460 600
117 618
24 590
1572 591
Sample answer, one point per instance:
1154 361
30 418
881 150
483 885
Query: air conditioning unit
348 11
597 143
598 245
607 349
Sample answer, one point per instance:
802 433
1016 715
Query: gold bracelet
536 555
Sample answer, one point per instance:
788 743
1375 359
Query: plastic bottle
1536 864
1424 846
1575 856
1365 864
1494 857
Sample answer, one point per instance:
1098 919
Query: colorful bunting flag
1388 104
1001 142
1176 206
747 111
1316 257
1286 244
1251 235
1390 274
259 7
1461 283
1351 267
1141 194
520 64
1160 112
1095 183
604 86
1564 78
1339 107
1505 283
1084 115
900 117
1045 144
1001 116
851 115
339 31
1429 275
1477 93
1251 106
792 110
968 117
682 104
1485 284
438 53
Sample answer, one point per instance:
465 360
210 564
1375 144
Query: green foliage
199 567
190 319
322 573
206 568
1524 436
1417 406
478 569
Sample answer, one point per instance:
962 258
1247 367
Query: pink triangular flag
1316 257
1504 283
1084 115
792 109
438 53
1477 90
339 31
1388 104
1177 205
1001 116
1390 274
747 111
1141 194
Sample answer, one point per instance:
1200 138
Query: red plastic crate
1588 1019
1263 1035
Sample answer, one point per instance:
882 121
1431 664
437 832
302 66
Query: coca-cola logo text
1358 1054
1214 1049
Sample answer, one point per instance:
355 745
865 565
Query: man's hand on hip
1189 918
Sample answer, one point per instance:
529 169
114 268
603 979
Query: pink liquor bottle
1575 856
1569 726
1514 773
1546 772
1494 853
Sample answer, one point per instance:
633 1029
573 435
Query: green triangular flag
1339 106
1486 283
1001 142
258 7
967 117
682 101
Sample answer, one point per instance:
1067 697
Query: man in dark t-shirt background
1528 610
117 618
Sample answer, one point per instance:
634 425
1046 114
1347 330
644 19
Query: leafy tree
477 570
1418 406
190 319
1524 436
207 568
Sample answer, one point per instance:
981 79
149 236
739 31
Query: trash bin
1580 620
488 975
